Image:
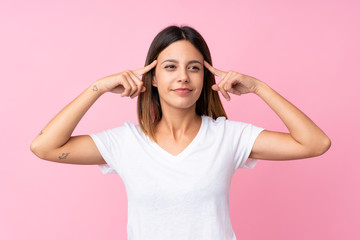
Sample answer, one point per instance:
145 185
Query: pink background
308 51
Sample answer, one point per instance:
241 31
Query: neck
178 122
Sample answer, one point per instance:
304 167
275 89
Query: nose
183 75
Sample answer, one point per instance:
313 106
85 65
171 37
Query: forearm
301 128
58 131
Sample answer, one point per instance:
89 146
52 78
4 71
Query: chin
185 106
181 105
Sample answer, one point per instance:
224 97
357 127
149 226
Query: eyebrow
176 61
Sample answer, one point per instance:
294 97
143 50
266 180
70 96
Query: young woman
177 164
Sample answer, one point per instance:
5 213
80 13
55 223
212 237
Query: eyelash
168 67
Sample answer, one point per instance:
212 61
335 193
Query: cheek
160 77
161 82
201 81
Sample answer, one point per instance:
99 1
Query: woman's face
179 75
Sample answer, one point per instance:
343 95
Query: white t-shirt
183 197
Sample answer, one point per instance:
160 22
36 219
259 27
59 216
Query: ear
153 82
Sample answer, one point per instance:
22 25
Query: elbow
37 150
322 146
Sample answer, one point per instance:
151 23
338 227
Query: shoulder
223 122
231 128
213 122
125 130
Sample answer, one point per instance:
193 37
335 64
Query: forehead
181 50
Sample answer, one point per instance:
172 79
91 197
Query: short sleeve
243 139
110 144
100 140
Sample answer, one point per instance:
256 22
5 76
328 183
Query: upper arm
271 145
78 150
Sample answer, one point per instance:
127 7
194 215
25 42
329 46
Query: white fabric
183 197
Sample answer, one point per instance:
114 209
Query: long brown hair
148 105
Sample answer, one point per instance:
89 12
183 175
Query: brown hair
148 104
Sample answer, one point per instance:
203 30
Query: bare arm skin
305 139
56 143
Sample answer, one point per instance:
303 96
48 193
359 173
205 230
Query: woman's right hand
56 143
125 83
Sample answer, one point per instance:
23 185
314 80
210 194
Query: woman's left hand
233 82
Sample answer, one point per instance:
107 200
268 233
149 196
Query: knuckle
122 75
121 79
134 85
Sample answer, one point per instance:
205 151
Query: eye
170 66
195 68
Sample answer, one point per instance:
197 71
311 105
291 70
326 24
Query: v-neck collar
188 148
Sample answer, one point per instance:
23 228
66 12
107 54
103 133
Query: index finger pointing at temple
145 69
214 71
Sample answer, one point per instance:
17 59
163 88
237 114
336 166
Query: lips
182 90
